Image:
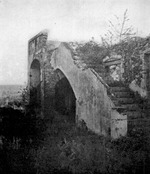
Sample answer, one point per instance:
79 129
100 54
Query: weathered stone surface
92 103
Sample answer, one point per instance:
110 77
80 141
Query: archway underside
59 96
35 88
65 101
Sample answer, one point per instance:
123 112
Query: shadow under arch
65 99
35 86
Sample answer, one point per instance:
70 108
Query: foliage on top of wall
131 49
89 54
131 52
120 39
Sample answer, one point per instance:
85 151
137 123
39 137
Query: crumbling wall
92 102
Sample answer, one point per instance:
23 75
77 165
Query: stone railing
114 69
118 121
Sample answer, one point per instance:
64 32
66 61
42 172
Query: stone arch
35 86
65 99
69 78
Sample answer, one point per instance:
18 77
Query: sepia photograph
75 86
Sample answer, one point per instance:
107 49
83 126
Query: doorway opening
65 100
35 87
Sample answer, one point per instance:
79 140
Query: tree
118 30
122 40
89 54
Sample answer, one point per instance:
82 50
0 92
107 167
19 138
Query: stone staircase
127 103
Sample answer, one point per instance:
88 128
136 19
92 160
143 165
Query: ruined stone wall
50 80
36 51
92 102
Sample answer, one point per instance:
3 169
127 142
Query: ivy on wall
93 53
131 52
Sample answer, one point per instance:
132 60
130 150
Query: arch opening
65 100
35 87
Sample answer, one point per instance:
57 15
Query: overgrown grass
21 133
57 145
76 150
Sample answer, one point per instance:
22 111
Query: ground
57 145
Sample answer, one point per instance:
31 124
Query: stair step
120 89
116 83
127 107
131 107
137 123
120 101
134 114
123 94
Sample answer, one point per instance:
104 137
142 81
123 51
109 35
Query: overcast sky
65 19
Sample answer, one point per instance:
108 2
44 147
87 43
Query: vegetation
91 52
120 39
32 145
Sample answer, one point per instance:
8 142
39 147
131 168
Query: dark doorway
65 101
35 88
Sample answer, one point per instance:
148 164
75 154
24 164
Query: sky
66 20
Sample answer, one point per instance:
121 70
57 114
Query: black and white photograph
74 86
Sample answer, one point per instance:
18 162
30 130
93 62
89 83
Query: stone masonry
58 81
